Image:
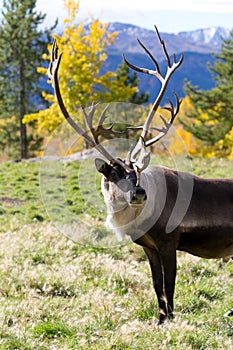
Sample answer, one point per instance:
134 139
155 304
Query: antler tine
103 115
155 72
99 130
89 116
53 76
167 124
138 69
53 64
163 46
150 55
174 110
108 130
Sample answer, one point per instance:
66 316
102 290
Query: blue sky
170 16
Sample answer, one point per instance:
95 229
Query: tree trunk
23 128
23 140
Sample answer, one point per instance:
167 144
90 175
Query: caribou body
204 229
162 210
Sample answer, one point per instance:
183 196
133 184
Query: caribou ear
103 167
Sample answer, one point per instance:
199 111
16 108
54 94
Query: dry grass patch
56 294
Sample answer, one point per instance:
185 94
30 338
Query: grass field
59 294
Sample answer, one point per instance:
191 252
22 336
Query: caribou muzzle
138 196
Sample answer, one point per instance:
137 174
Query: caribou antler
171 67
138 158
96 132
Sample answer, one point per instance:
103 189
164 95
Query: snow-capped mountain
213 35
198 47
207 40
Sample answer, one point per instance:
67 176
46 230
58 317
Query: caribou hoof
162 318
229 313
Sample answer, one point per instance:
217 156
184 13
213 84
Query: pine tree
21 46
211 117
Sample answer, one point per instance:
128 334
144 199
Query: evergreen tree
211 117
21 46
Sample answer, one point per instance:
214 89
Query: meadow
56 293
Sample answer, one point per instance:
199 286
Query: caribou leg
163 268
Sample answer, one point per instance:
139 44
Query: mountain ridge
197 46
126 41
197 56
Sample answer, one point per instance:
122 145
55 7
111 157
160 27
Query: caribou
161 209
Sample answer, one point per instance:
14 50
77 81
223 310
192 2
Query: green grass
58 294
22 184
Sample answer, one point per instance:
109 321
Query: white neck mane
124 219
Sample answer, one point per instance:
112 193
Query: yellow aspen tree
80 78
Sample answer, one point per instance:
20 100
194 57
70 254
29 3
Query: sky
171 16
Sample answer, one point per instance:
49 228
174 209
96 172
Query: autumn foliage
80 78
201 128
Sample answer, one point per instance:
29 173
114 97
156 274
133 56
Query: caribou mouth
136 205
138 198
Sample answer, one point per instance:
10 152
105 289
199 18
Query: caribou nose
138 196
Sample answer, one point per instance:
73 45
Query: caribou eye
115 176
